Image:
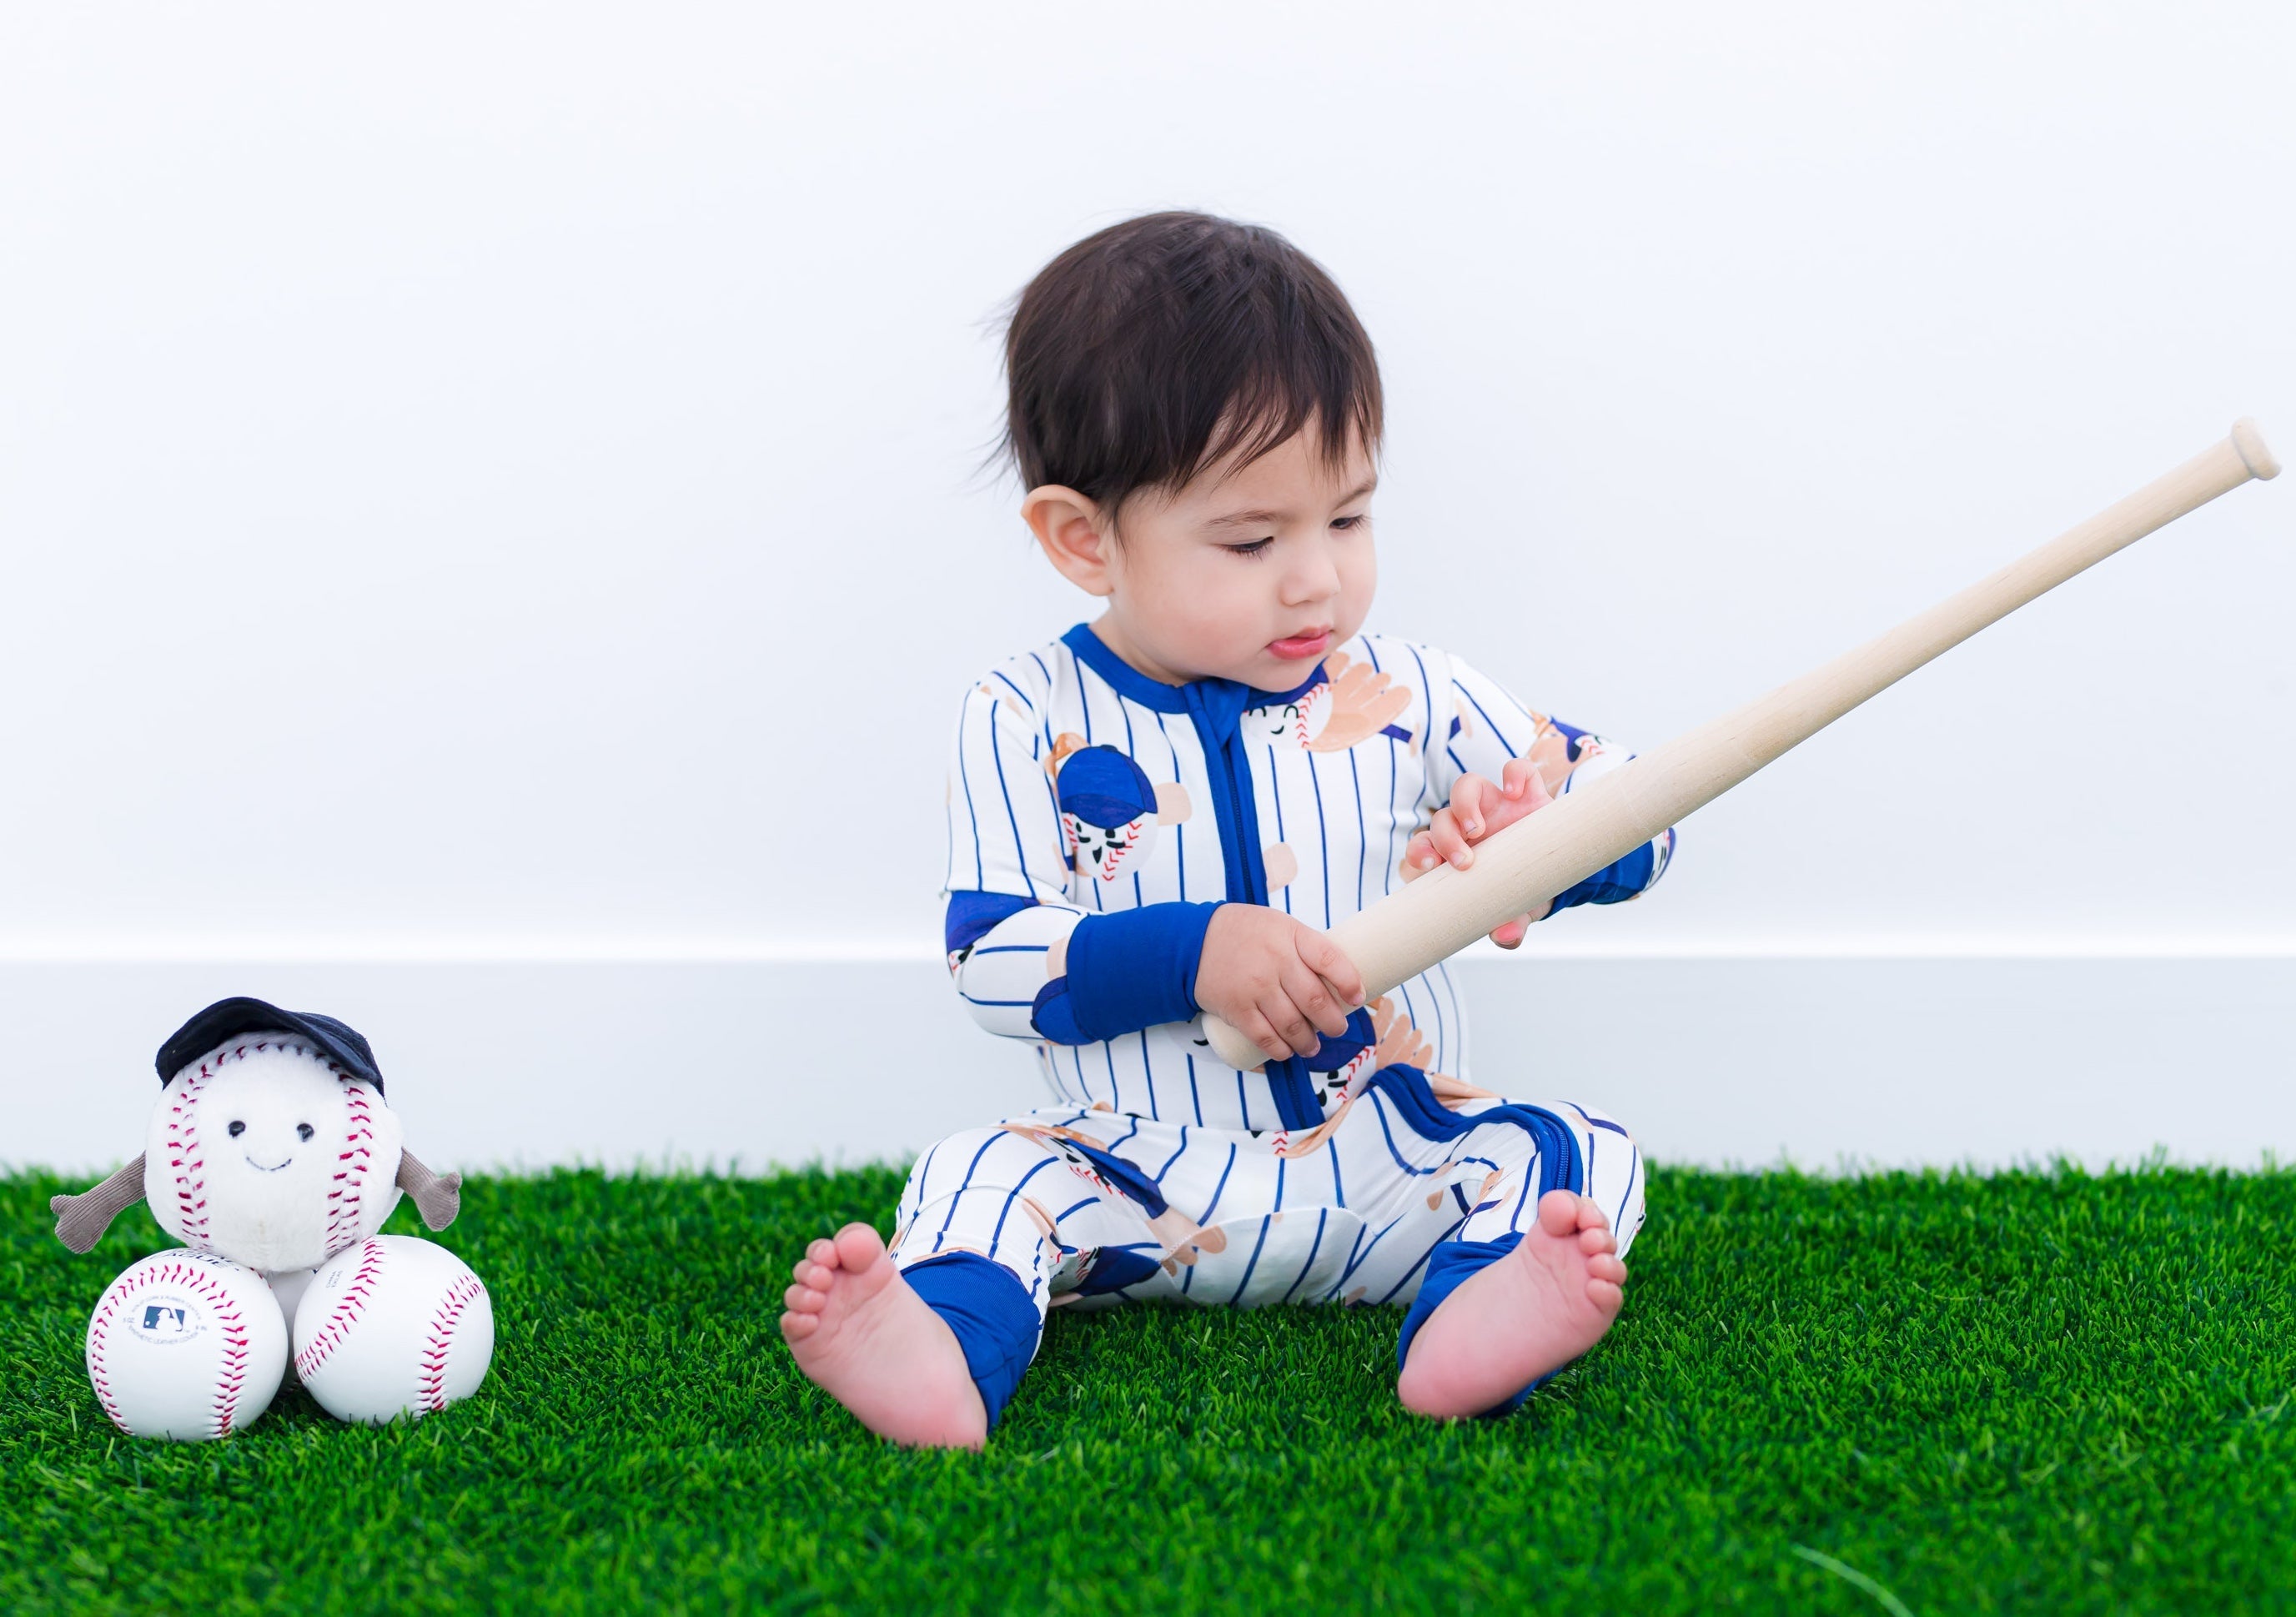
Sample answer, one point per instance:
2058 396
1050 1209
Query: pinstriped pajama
1236 1219
1095 818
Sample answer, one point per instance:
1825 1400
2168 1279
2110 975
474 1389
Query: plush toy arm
438 1197
82 1220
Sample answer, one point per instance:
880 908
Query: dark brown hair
1161 345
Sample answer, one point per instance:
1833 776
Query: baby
1154 817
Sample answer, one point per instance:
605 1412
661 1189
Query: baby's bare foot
1529 1313
870 1342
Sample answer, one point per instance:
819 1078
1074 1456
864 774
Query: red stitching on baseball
432 1391
98 1334
183 1135
343 1210
345 1311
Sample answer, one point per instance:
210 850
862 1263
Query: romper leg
993 1226
1465 1187
1610 1176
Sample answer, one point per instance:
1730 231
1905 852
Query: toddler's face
1250 575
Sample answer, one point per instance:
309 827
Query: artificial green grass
1935 1394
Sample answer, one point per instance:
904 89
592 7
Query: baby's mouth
259 1168
1313 642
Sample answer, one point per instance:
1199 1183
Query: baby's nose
1311 578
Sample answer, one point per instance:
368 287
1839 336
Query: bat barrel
2249 444
1521 868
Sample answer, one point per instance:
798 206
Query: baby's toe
1591 1241
1606 1267
801 1298
1605 1295
1558 1212
796 1327
1590 1215
823 1252
859 1246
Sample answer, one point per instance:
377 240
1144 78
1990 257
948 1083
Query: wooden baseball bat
1521 868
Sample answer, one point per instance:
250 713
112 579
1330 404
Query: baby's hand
1477 809
1275 980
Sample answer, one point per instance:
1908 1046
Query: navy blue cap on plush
228 1019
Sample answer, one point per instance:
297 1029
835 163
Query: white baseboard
1865 1059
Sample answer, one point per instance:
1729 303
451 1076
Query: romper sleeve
1028 961
1489 728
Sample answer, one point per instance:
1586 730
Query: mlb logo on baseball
168 1320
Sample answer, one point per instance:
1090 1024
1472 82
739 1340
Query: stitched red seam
184 1156
440 1341
343 1213
345 1311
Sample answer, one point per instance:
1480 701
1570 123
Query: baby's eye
1343 523
1258 547
236 1129
303 1132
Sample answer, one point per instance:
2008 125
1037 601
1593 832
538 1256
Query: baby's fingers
1473 800
1521 779
1448 841
1319 1008
1512 933
1287 1012
1329 962
1256 1027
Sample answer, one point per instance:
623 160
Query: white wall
501 484
1745 1062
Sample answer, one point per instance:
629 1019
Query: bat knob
1232 1047
2254 453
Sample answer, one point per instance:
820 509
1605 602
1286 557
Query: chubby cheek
1358 566
1209 616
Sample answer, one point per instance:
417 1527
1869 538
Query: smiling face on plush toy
265 1153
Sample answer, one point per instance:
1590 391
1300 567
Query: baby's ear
1172 804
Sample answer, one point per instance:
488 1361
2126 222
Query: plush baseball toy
271 1144
271 1153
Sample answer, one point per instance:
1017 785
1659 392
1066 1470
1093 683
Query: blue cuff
1125 972
1612 884
1448 1266
995 1321
973 915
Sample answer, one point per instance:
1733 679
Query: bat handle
1232 1047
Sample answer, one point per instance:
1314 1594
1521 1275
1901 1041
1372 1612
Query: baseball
393 1327
186 1345
265 1151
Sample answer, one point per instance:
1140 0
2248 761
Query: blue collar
1219 701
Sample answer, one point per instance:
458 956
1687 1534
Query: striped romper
1097 818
